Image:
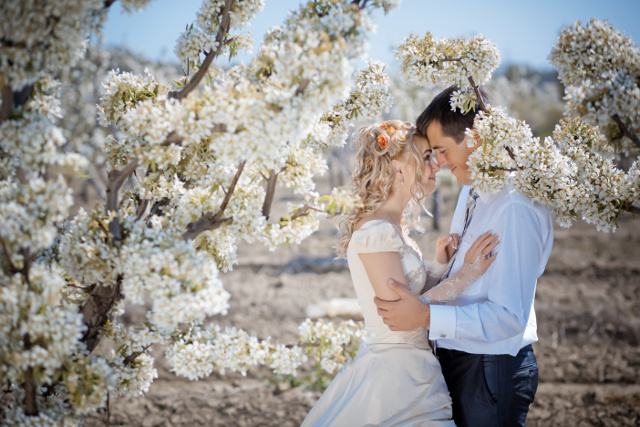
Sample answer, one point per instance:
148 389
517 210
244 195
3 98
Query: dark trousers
489 389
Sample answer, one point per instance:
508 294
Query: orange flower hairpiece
391 130
383 126
383 140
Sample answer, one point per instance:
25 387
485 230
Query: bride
395 379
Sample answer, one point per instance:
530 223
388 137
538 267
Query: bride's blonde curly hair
373 174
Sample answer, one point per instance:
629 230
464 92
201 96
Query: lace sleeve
434 274
450 288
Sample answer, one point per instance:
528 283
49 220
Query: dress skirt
386 385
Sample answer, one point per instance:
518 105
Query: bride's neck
391 211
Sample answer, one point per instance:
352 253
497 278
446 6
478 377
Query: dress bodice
382 236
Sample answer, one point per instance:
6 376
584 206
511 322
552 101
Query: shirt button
443 335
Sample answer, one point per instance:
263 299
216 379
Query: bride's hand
446 246
479 254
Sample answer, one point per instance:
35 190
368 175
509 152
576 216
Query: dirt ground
587 305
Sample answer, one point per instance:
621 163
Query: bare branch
5 250
130 358
271 190
116 181
477 92
206 222
172 138
142 209
29 385
302 87
199 75
448 60
97 310
211 221
7 103
625 131
304 210
232 187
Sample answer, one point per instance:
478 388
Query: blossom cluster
369 97
33 143
42 37
201 38
600 67
35 310
199 352
334 345
604 191
430 62
498 134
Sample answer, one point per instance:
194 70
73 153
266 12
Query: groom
484 341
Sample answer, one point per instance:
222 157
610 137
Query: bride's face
429 165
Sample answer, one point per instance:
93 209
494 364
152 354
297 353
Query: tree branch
198 76
625 131
268 198
211 221
634 209
29 385
302 87
108 3
304 210
115 182
5 251
477 92
7 103
130 358
172 138
97 310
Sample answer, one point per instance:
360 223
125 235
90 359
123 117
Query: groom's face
449 153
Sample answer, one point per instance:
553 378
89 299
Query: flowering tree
203 166
573 171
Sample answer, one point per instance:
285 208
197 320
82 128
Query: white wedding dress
395 380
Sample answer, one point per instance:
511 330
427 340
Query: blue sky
524 30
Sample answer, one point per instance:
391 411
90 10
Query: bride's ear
397 170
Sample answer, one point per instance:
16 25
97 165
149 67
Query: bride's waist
383 335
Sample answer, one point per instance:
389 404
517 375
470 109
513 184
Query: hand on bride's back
446 247
479 254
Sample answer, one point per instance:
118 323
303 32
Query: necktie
471 205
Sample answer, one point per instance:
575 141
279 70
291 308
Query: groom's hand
404 314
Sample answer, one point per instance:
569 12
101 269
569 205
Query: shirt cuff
443 322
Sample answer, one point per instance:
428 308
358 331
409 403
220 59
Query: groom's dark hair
454 123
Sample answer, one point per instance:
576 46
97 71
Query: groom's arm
406 313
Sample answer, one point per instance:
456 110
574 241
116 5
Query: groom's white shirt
495 314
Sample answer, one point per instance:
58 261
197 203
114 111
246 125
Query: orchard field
587 305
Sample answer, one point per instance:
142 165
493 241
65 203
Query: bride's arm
380 266
475 264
